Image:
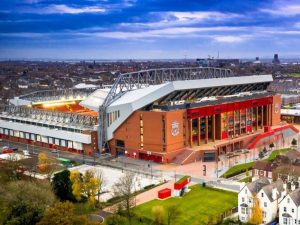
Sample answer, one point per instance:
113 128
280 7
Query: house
289 209
245 197
269 198
268 194
263 169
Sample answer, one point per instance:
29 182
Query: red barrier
182 182
164 193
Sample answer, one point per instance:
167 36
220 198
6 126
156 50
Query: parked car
54 151
7 150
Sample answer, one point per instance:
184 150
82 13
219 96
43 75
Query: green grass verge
200 204
273 154
241 168
238 169
246 179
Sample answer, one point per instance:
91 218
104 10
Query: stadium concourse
177 115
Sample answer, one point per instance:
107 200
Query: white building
268 194
289 209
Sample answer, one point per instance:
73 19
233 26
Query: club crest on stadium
175 128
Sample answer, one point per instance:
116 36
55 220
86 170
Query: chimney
285 186
274 193
293 187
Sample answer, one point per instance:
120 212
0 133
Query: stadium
176 115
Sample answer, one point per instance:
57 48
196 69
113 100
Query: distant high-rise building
276 59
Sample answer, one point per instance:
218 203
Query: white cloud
283 9
172 19
61 9
231 39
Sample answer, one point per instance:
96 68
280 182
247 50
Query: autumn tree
85 186
256 215
24 202
64 213
173 213
47 164
158 214
124 188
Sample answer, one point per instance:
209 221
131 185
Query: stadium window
120 143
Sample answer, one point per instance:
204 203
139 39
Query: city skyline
132 29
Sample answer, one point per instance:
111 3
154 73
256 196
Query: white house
268 194
245 198
289 209
269 198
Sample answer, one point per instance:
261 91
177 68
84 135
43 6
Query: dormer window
262 194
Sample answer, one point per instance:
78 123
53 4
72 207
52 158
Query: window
243 210
288 200
292 210
265 204
243 199
264 214
262 194
245 191
120 143
284 209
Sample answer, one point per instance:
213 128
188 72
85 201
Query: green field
200 204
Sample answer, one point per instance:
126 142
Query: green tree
294 141
63 213
158 214
271 145
173 213
261 154
24 202
115 220
62 186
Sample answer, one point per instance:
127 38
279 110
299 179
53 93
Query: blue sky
149 29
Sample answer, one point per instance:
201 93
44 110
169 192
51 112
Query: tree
85 186
125 188
25 202
271 145
115 220
63 213
173 213
47 164
294 141
247 173
158 214
62 186
256 215
261 155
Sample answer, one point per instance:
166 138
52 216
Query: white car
26 152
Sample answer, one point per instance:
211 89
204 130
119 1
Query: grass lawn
273 154
197 205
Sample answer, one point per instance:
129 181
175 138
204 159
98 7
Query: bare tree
173 213
100 175
125 189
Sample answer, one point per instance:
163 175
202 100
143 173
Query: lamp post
123 163
149 156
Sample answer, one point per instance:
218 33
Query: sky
148 29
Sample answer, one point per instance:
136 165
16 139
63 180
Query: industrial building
175 115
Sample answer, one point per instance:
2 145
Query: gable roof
295 196
268 189
256 186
